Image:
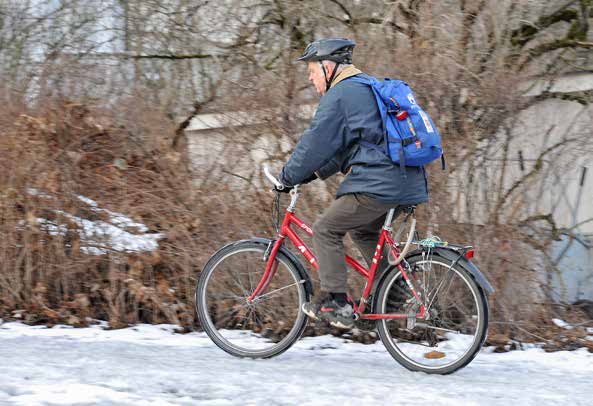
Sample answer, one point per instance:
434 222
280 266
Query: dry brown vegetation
63 152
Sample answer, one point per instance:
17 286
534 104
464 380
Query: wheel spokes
259 324
449 329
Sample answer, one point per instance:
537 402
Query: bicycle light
469 254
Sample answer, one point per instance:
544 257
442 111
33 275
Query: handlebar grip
272 179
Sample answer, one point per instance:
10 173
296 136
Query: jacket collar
345 74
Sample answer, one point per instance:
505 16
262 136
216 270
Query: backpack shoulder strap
372 83
375 85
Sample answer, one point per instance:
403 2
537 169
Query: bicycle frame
286 231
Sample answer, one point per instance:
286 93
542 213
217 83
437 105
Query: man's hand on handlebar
287 189
284 189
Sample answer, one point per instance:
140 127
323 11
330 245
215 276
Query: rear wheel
457 320
264 327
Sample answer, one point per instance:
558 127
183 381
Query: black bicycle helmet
338 50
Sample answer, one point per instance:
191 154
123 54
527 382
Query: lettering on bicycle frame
376 253
303 249
306 228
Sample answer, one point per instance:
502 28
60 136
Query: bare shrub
51 163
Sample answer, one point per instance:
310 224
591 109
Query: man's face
316 77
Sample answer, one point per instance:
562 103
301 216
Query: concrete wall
556 187
233 148
575 259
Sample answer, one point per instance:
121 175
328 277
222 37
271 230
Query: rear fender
465 263
447 253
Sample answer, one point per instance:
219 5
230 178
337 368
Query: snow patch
99 237
104 235
118 219
36 192
561 323
68 394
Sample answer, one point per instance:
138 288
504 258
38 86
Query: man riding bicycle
346 135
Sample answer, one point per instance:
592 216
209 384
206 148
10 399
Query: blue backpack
411 138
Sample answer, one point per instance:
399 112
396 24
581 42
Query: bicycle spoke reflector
434 355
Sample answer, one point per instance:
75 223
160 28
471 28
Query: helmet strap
328 82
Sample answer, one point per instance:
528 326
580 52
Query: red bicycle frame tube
369 274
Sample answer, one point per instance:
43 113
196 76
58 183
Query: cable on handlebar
276 211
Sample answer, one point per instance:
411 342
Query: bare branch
169 56
583 97
534 171
529 30
343 8
558 44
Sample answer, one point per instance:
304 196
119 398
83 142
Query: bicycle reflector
469 254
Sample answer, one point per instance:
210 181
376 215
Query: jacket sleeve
329 169
325 137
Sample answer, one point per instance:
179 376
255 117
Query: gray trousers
357 214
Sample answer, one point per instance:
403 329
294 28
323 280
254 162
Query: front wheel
264 327
457 318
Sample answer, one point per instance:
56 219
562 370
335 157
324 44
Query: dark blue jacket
348 114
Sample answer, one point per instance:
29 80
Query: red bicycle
429 305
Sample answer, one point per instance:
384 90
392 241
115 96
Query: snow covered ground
151 365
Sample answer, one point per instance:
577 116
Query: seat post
389 219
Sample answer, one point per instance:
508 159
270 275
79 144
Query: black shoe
327 308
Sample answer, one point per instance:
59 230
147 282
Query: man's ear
328 67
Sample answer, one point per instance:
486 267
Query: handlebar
272 179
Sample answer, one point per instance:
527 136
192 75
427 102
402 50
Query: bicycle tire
391 343
206 319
